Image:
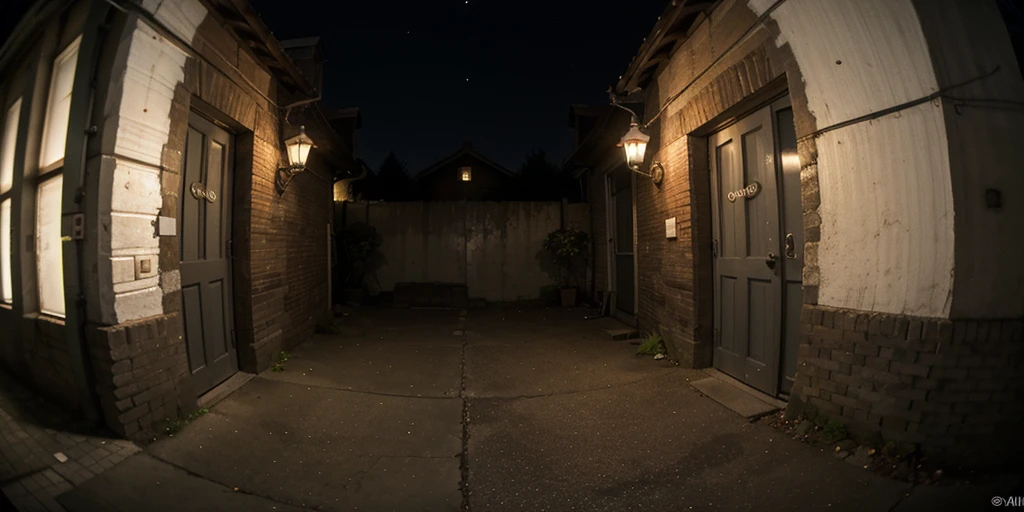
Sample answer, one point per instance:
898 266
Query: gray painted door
624 264
748 280
206 296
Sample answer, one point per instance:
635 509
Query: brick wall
954 387
141 373
47 363
675 274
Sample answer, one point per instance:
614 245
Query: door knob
772 258
790 246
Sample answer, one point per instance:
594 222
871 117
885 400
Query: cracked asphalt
495 409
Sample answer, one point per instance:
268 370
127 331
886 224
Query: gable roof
467 149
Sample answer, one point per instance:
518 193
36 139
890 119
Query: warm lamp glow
635 144
298 148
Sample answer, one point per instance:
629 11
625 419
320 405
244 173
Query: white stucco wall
146 71
886 196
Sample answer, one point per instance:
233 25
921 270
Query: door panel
748 294
793 238
205 205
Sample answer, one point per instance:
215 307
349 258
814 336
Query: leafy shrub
566 246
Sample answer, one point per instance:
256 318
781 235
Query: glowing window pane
466 173
6 291
58 106
7 145
48 247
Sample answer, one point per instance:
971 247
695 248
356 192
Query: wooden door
748 282
205 216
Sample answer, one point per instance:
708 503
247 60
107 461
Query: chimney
308 55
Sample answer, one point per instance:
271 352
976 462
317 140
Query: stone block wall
954 387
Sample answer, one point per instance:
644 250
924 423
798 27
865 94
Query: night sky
429 75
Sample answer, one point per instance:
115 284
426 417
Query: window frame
466 174
48 172
58 164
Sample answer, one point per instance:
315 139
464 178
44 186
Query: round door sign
748 192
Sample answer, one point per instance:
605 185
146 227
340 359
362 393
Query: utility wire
941 93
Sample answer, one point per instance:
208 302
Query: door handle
771 260
790 246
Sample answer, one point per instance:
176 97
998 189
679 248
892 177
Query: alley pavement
491 409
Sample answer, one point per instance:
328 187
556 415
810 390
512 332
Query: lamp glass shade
298 148
634 142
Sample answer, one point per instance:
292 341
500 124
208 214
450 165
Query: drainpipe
73 203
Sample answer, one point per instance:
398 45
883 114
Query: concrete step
737 396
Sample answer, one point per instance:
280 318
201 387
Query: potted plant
567 247
359 257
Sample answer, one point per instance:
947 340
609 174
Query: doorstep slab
728 395
224 389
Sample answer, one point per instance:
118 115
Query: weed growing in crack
175 426
282 358
834 431
652 345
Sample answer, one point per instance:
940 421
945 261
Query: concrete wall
493 248
983 146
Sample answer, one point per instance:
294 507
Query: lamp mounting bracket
656 175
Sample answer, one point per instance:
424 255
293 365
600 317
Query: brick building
150 245
465 175
838 222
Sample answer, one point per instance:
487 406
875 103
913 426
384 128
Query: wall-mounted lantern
634 142
298 148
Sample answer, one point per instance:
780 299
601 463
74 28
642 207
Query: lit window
467 173
10 135
6 291
48 247
58 107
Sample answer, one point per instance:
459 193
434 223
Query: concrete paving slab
144 483
655 446
738 401
325 448
424 368
1002 491
536 352
400 325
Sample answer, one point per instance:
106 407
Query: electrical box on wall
166 226
670 228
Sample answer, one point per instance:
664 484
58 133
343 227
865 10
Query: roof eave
672 27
